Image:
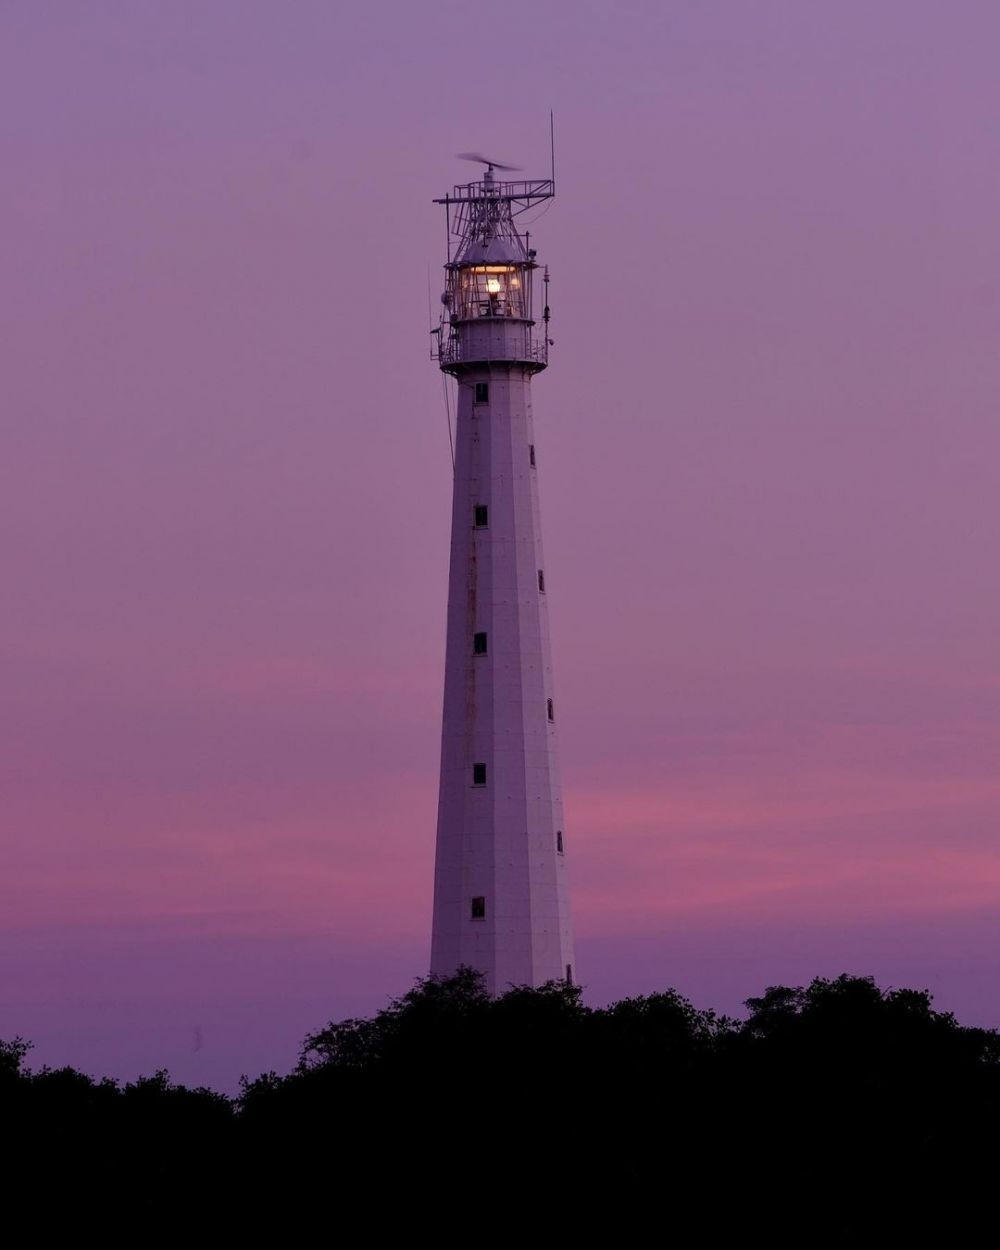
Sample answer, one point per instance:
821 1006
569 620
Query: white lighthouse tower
501 902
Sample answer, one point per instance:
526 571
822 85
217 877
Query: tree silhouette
838 1080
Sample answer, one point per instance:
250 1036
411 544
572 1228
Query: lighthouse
501 899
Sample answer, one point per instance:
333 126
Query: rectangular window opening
559 841
479 907
569 974
551 709
479 774
478 644
482 392
541 581
481 516
531 454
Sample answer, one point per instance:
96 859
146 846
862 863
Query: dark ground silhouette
840 1087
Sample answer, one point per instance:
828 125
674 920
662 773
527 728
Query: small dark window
479 644
531 453
479 908
569 974
479 774
559 841
482 516
552 710
541 581
482 392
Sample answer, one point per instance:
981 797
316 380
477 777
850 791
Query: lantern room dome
492 249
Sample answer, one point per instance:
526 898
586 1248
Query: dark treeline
840 1082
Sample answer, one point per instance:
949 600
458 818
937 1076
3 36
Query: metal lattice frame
486 209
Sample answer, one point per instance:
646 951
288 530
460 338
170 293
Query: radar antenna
485 160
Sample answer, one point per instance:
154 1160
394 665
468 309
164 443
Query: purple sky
768 447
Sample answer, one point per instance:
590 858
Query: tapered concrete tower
501 902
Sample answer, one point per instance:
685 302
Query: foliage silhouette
839 1079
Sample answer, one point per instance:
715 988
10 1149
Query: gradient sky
768 452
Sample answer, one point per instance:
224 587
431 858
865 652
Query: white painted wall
498 841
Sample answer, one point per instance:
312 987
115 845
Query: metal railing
449 351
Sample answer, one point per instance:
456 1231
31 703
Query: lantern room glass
491 291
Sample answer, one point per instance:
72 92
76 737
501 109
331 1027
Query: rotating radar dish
485 160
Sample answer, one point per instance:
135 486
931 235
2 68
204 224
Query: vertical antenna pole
545 314
552 148
430 327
